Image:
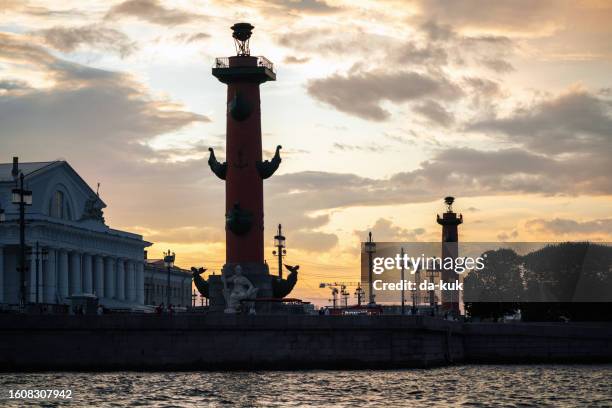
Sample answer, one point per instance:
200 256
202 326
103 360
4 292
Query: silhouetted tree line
563 281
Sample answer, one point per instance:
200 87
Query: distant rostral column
450 248
244 170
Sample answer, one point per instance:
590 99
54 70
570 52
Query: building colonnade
67 272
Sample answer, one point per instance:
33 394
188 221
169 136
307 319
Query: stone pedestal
257 273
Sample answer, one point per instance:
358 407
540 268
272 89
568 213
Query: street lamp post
370 248
359 294
169 264
334 298
22 197
279 243
345 295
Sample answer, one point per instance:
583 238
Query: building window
58 207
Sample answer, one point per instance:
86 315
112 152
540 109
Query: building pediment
59 193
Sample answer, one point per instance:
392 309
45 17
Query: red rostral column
450 248
244 170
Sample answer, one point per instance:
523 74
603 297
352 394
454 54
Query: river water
458 386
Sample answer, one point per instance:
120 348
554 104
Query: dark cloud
68 39
435 113
24 7
485 51
462 172
434 45
291 198
290 59
191 151
497 65
483 87
325 41
353 147
479 172
307 6
384 231
361 94
490 42
287 8
18 50
482 92
357 41
100 122
192 37
430 55
568 226
436 31
574 122
399 70
105 113
13 85
505 236
510 15
152 11
108 107
283 12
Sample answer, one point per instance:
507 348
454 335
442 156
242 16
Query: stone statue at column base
237 288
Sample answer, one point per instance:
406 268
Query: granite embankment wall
150 342
537 342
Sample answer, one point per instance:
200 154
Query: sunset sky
382 107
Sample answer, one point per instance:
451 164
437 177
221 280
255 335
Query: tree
571 280
496 289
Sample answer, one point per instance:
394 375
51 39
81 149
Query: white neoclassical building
77 252
156 287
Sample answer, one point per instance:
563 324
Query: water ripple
460 386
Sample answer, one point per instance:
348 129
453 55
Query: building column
99 276
87 274
75 274
109 277
120 279
50 292
130 284
1 274
41 282
147 290
63 274
32 278
140 283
